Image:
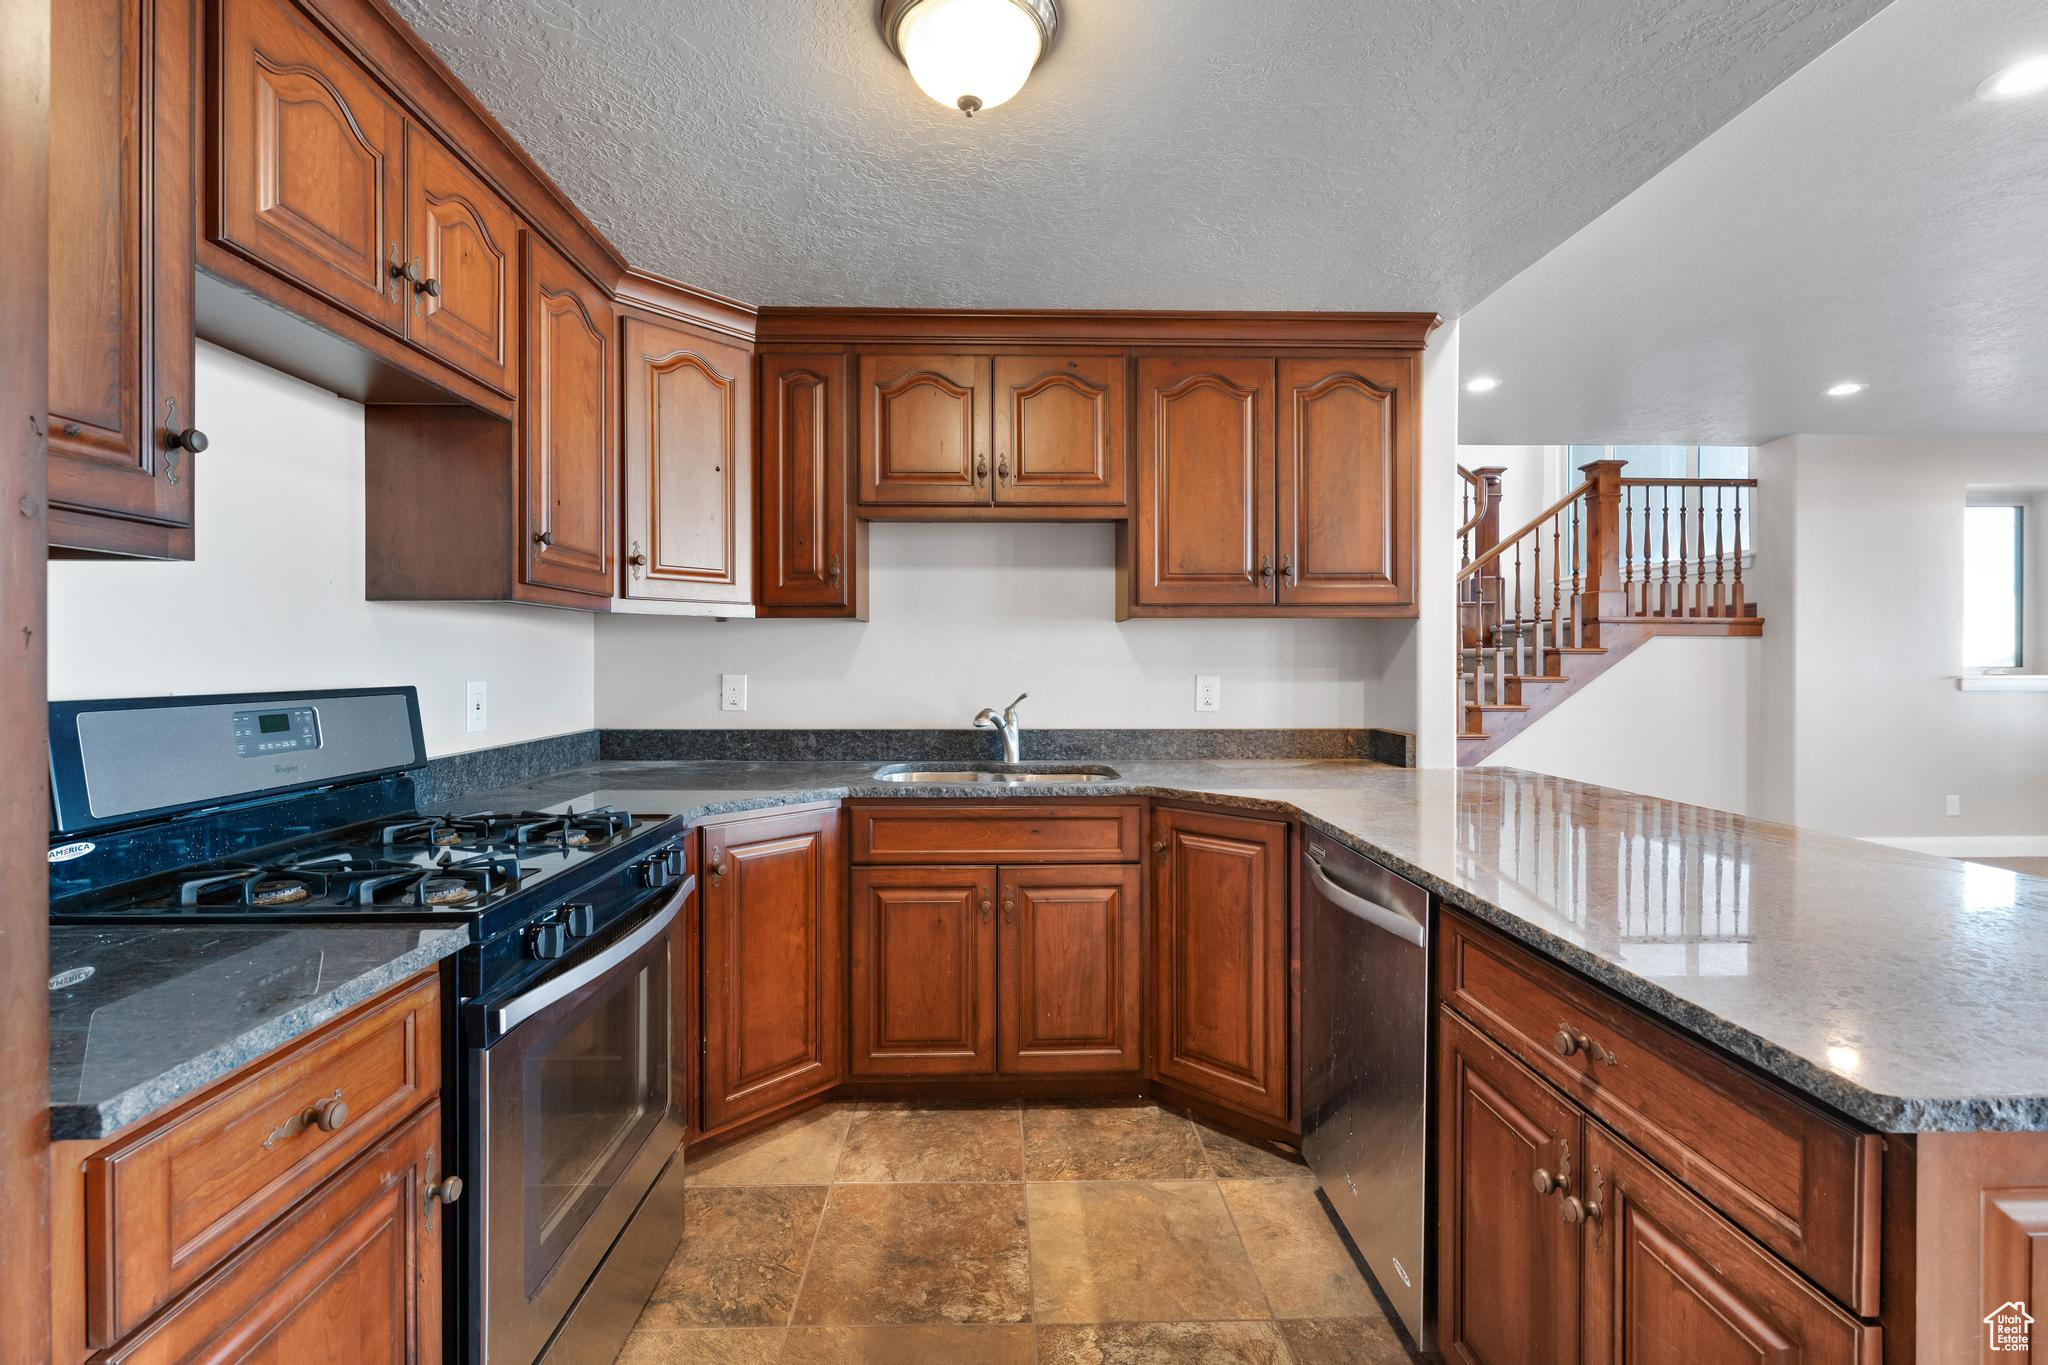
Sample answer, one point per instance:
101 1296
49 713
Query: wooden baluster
1578 556
1536 598
1699 597
1720 554
1682 557
1521 659
1646 551
1664 544
1556 577
1465 520
1735 600
1629 553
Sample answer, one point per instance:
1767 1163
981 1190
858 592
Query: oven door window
583 1089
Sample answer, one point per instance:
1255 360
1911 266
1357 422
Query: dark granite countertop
164 1012
1902 990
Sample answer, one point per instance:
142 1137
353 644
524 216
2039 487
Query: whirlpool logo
282 769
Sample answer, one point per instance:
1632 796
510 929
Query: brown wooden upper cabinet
123 95
1037 436
689 467
1270 487
568 460
461 276
311 161
1203 526
1219 982
324 181
812 552
774 962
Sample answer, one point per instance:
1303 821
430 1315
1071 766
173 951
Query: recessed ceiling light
1848 388
1483 384
2028 76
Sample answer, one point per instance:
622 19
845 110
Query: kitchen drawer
1006 831
1799 1180
168 1206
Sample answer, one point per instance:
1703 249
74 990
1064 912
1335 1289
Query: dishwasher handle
1372 912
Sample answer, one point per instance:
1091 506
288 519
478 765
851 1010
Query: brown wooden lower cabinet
1560 1243
773 954
353 1274
1509 1270
924 971
283 1214
1669 1280
1071 979
1220 961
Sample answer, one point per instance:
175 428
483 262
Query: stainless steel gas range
295 807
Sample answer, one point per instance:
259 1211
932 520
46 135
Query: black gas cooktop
401 866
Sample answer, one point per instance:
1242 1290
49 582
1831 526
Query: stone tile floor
955 1234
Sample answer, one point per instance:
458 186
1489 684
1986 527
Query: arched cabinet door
1346 484
566 445
924 430
461 249
310 161
1059 430
1203 517
689 467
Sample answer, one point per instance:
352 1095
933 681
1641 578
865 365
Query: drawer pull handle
1569 1042
328 1115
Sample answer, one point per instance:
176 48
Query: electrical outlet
1208 692
1955 805
476 708
732 692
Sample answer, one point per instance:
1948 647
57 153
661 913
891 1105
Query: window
1994 600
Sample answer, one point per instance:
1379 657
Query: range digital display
269 734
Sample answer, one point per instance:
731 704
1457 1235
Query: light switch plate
1208 692
1955 805
476 708
732 691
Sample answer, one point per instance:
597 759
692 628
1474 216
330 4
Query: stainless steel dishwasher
1365 1063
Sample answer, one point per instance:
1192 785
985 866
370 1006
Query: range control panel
264 734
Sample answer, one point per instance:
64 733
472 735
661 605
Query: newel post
1601 596
1487 533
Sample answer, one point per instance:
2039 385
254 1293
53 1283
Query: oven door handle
522 1008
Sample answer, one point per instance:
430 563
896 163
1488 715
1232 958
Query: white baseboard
1974 845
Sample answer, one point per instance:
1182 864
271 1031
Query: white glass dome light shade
971 54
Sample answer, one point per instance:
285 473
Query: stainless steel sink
997 774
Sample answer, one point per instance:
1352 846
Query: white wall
275 596
967 616
1865 635
1676 719
1529 484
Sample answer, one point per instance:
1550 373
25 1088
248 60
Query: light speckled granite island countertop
148 1015
1905 991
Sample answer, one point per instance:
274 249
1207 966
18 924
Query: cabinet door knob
718 868
1577 1210
328 1115
832 570
1265 568
986 908
445 1191
1287 570
432 289
981 468
544 537
636 561
1546 1183
1159 845
1009 910
1003 467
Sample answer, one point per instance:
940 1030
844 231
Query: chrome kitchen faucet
1006 723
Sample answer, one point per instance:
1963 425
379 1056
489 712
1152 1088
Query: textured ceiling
1868 220
1314 154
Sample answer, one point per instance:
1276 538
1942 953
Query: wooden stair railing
1627 559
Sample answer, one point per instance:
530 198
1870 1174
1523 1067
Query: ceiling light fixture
1483 384
1848 388
2022 78
970 55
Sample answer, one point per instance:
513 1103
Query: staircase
1613 563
